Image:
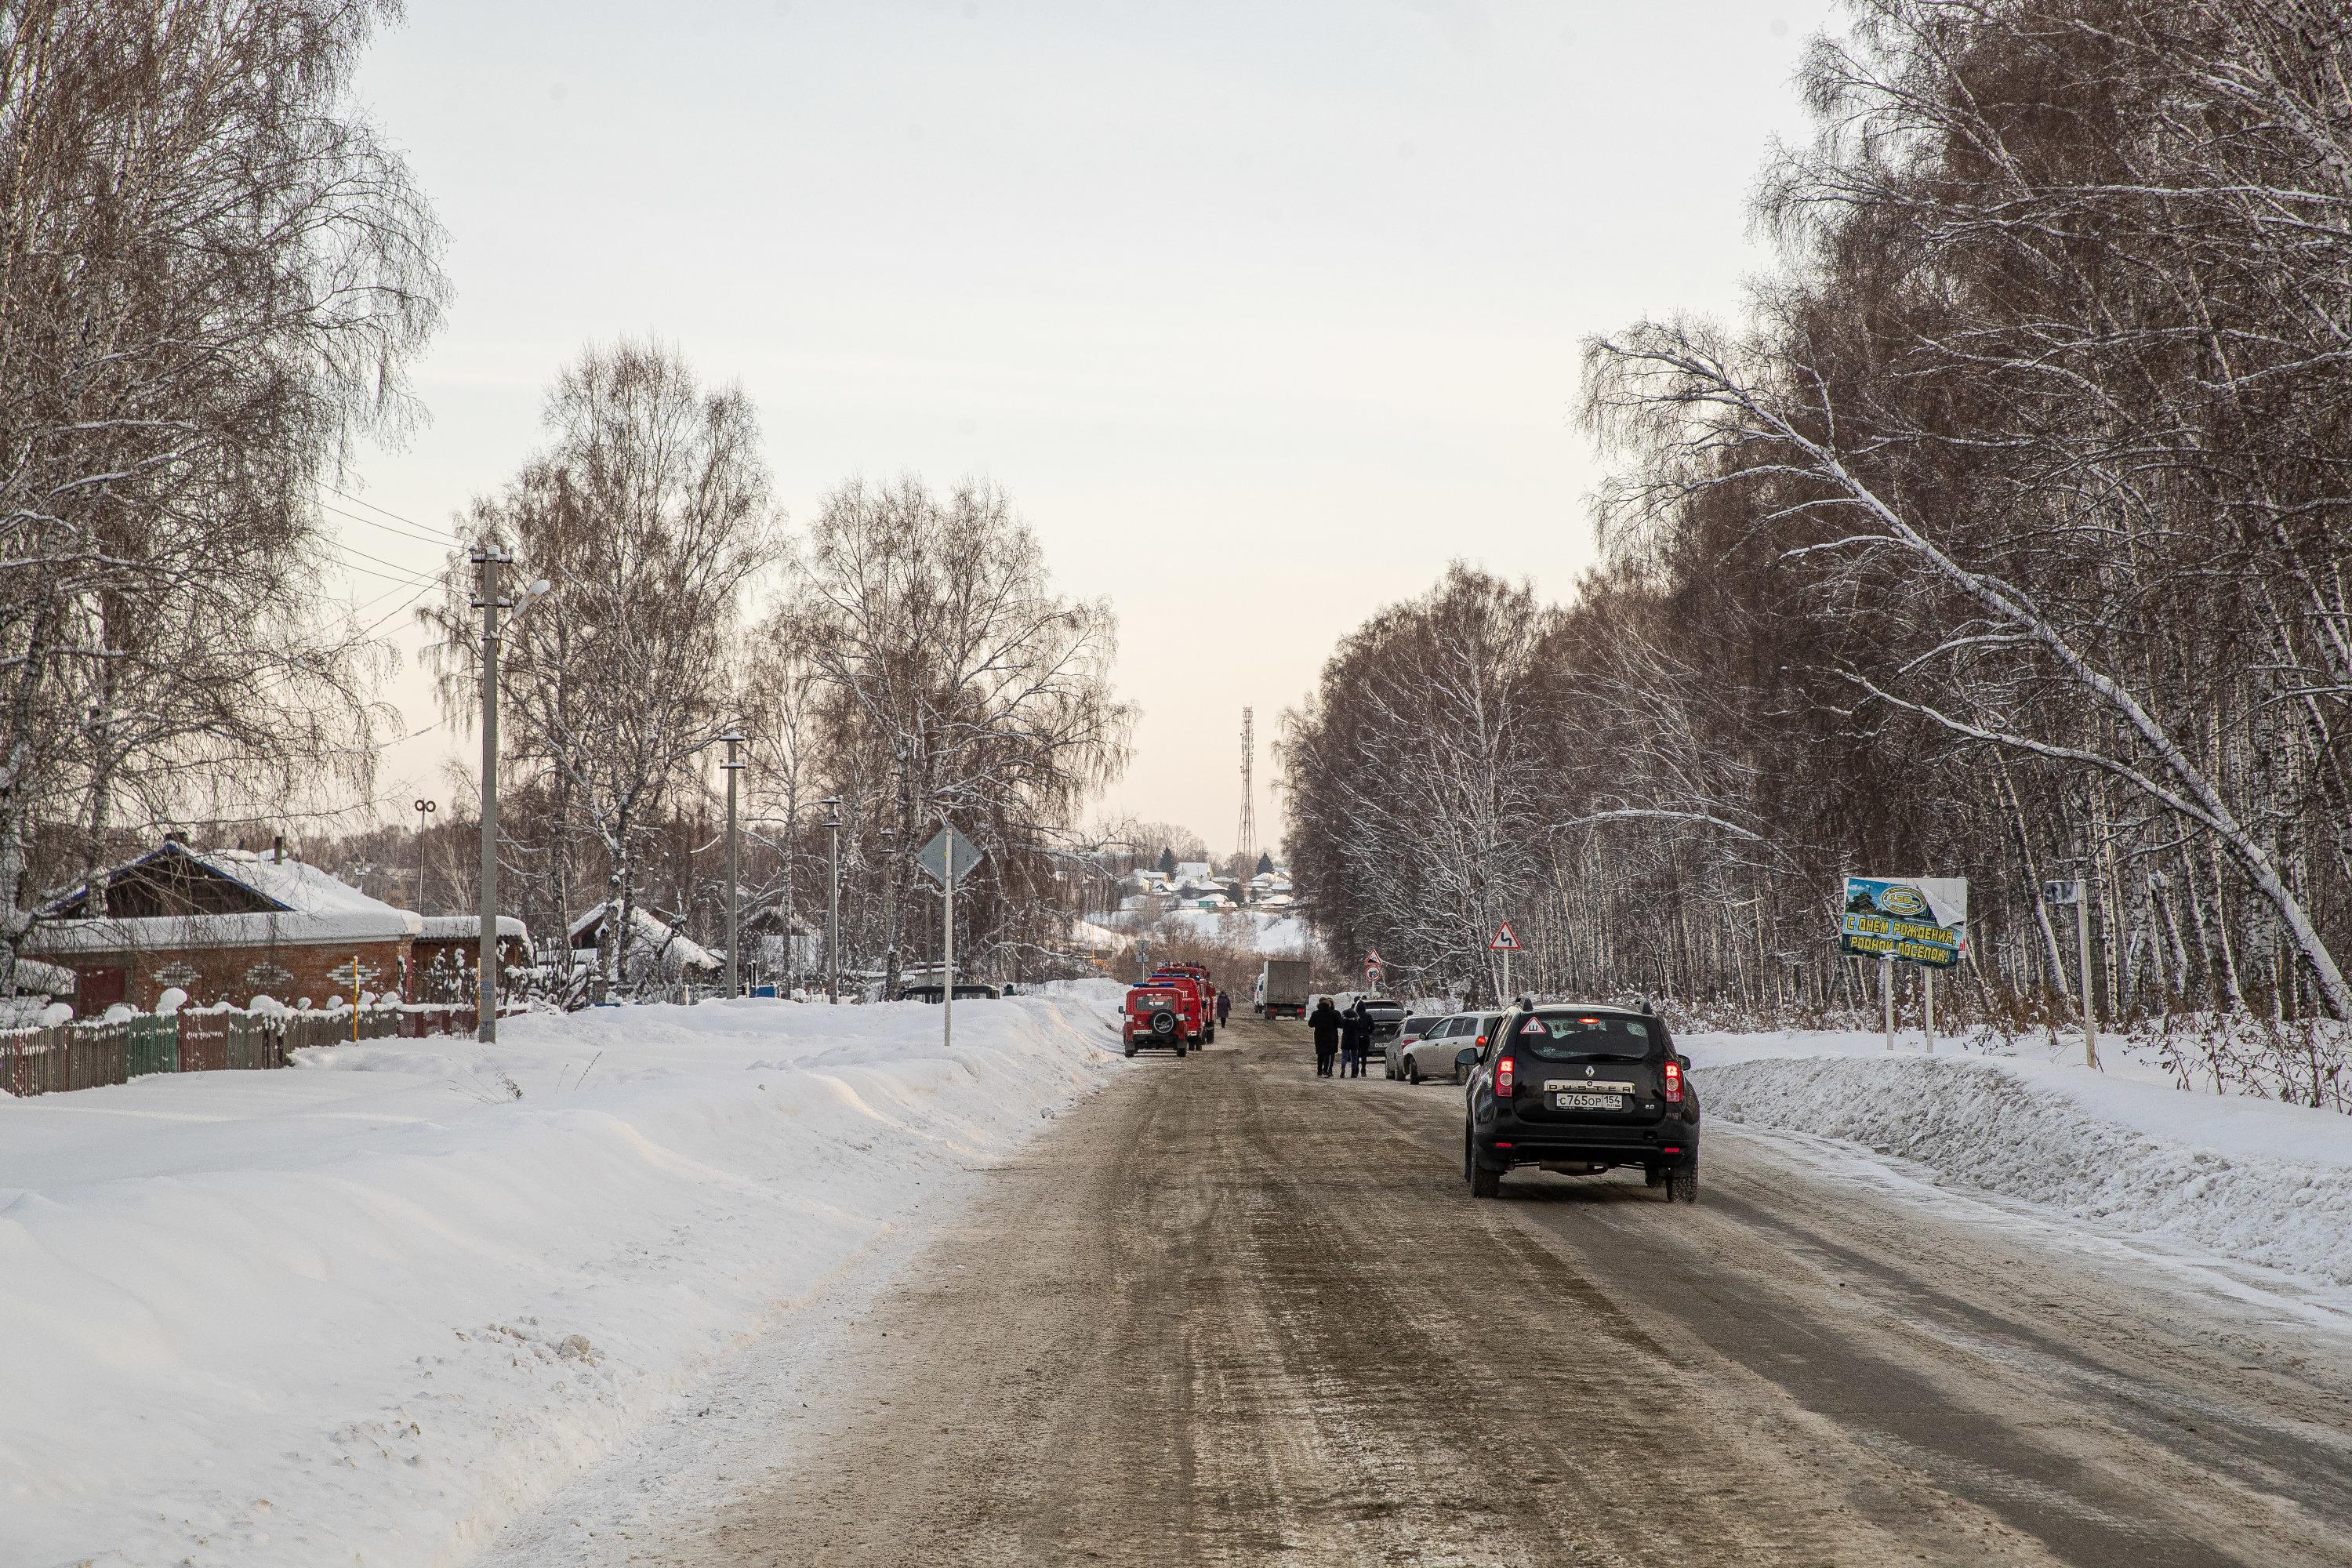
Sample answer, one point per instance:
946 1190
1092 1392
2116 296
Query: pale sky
1260 312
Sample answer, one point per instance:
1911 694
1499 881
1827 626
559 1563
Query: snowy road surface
1224 1312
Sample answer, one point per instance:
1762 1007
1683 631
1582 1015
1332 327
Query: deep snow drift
364 1310
2253 1181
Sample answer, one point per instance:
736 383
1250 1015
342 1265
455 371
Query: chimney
278 849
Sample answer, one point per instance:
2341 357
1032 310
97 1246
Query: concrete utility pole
831 805
947 945
2082 946
889 836
890 876
734 873
490 558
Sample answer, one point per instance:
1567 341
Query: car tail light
1674 1083
1505 1071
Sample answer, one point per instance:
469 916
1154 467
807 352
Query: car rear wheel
1681 1184
1130 1047
1457 1072
1484 1183
1179 1050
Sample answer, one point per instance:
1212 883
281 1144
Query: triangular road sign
1506 939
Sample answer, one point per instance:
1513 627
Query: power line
442 535
438 543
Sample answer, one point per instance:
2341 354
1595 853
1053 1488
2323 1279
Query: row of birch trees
905 655
214 275
2005 536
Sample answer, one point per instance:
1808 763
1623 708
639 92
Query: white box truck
1282 988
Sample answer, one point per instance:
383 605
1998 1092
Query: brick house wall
236 974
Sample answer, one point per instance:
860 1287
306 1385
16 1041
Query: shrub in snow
57 1013
122 1011
171 1001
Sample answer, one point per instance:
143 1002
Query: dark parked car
1577 1089
1387 1019
935 992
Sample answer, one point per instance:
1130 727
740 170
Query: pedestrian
1325 1022
1224 1007
1355 1040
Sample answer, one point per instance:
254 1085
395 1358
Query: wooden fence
87 1055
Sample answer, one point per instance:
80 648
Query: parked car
1415 1028
1436 1053
1387 1019
935 992
1579 1089
1162 1012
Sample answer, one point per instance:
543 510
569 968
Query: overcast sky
1261 311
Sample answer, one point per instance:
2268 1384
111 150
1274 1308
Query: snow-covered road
1226 1313
727 1272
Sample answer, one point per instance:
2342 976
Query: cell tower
1245 834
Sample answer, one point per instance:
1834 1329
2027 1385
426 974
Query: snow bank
2251 1180
364 1312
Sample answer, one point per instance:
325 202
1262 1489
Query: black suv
1578 1089
1387 1019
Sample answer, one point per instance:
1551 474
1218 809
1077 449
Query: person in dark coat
1224 1007
1355 1040
1325 1022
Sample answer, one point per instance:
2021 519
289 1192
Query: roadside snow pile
365 1312
2251 1180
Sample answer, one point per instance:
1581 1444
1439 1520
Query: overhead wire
440 535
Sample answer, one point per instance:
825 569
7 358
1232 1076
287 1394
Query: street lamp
831 805
425 810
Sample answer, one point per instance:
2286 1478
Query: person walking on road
1325 1022
1224 1008
1355 1040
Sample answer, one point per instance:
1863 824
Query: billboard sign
1918 919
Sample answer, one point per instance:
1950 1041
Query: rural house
224 925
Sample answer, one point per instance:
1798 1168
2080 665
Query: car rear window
1420 1026
1572 1037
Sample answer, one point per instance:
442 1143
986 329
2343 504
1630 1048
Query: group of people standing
1348 1035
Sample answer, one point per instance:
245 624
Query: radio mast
1245 834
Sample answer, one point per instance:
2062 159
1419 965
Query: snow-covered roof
653 936
469 928
304 903
1192 868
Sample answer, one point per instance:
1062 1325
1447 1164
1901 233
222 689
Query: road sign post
1507 943
948 859
2078 893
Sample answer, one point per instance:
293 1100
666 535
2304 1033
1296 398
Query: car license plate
1588 1102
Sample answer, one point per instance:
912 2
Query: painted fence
56 1057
